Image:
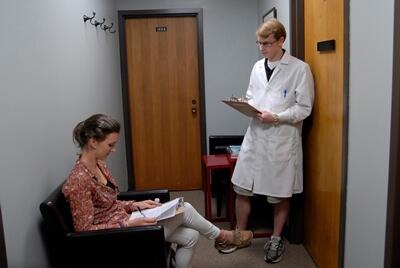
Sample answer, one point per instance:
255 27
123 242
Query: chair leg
171 257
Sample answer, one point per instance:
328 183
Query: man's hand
265 117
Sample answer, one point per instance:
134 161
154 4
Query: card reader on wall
324 46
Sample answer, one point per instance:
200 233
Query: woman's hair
271 26
98 126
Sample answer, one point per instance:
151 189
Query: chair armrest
155 231
140 246
163 195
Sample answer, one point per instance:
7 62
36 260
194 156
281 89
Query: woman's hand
142 221
146 204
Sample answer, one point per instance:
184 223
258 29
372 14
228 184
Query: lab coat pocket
280 99
280 149
287 99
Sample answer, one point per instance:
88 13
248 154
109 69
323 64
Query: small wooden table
210 163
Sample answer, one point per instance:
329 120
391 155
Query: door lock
194 107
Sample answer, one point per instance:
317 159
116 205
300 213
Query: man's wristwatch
276 119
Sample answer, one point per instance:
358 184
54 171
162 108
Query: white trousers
184 229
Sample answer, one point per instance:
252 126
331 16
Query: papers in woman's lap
165 211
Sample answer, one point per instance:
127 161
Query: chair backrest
218 143
3 255
56 213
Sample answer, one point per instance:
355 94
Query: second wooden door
325 143
163 90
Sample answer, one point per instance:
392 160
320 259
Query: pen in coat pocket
284 93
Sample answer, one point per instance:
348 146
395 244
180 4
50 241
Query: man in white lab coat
270 160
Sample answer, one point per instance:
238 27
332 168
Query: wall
54 72
371 52
229 54
283 15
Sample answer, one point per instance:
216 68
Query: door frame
3 253
157 13
296 212
297 49
392 243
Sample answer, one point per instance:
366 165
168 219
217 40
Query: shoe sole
273 261
227 251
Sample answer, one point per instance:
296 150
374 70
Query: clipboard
243 107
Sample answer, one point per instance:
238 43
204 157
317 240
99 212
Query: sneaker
241 239
273 249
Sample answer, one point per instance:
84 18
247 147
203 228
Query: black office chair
122 247
3 254
218 145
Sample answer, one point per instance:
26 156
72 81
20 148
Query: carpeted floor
252 257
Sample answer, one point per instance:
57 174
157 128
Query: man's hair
271 26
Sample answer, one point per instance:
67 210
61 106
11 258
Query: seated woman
92 195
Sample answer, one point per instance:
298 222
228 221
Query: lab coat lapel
275 72
264 76
284 62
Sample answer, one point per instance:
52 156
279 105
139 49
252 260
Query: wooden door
163 90
324 143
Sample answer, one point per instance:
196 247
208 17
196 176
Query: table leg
208 194
231 206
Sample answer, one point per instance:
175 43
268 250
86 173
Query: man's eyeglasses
266 44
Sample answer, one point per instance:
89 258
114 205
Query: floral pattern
94 205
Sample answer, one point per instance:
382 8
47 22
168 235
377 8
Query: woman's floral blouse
94 205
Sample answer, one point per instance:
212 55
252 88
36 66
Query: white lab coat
271 160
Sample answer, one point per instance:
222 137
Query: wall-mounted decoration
97 23
272 13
